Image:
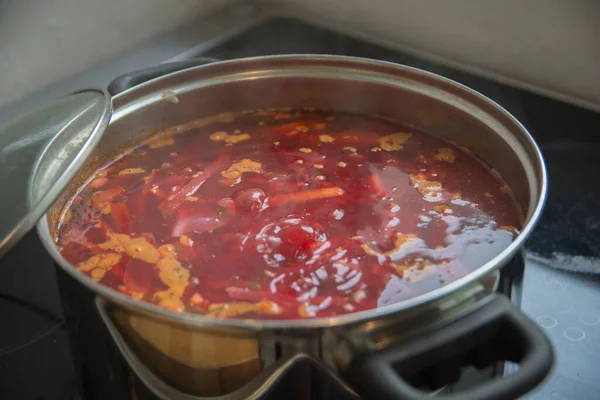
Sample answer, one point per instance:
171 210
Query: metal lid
51 143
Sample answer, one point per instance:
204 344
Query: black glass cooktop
35 357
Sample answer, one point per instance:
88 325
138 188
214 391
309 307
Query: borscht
287 214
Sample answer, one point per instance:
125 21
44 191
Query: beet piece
249 200
139 276
120 217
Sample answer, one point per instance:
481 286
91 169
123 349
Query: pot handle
134 78
495 331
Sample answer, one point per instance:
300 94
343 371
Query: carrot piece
107 195
196 223
354 138
98 183
120 217
306 195
194 184
269 307
196 299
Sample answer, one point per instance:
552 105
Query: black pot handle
134 78
494 331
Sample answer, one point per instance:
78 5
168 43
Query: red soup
286 215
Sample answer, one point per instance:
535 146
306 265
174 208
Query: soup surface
286 215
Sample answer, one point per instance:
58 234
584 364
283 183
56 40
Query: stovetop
35 358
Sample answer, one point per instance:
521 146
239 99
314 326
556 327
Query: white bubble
574 334
589 319
546 321
562 308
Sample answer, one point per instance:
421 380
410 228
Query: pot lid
41 152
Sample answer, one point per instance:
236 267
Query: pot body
182 355
144 372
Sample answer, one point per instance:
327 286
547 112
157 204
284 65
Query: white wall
551 44
44 41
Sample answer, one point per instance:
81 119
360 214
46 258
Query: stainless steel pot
381 353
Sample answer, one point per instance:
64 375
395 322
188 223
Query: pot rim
196 320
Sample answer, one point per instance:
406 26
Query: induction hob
35 357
